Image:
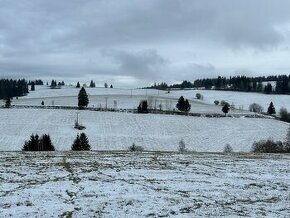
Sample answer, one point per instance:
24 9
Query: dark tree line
12 88
163 86
54 84
235 83
37 82
247 84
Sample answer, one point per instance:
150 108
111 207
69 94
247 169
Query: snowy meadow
159 182
120 184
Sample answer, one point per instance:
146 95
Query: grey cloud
58 37
142 64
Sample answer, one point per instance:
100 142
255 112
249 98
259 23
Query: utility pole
106 102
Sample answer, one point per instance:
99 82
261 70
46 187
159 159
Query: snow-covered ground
117 131
93 184
113 98
128 99
239 99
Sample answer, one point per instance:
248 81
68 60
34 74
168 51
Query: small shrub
134 148
226 108
223 103
199 96
216 102
228 149
182 148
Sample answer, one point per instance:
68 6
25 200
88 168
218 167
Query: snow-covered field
239 99
117 131
113 98
128 99
93 184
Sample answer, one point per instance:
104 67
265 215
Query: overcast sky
137 42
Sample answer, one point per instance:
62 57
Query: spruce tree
183 105
78 85
8 103
76 146
187 106
45 143
271 109
92 84
143 107
81 143
32 88
84 141
83 99
180 104
226 108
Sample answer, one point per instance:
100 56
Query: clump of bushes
81 143
36 143
284 115
270 146
255 108
134 148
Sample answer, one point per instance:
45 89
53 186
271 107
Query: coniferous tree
226 108
32 88
143 107
180 104
183 105
84 142
187 106
53 84
32 144
45 143
76 146
92 84
81 143
271 109
106 85
38 144
78 85
268 88
83 99
111 86
8 103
